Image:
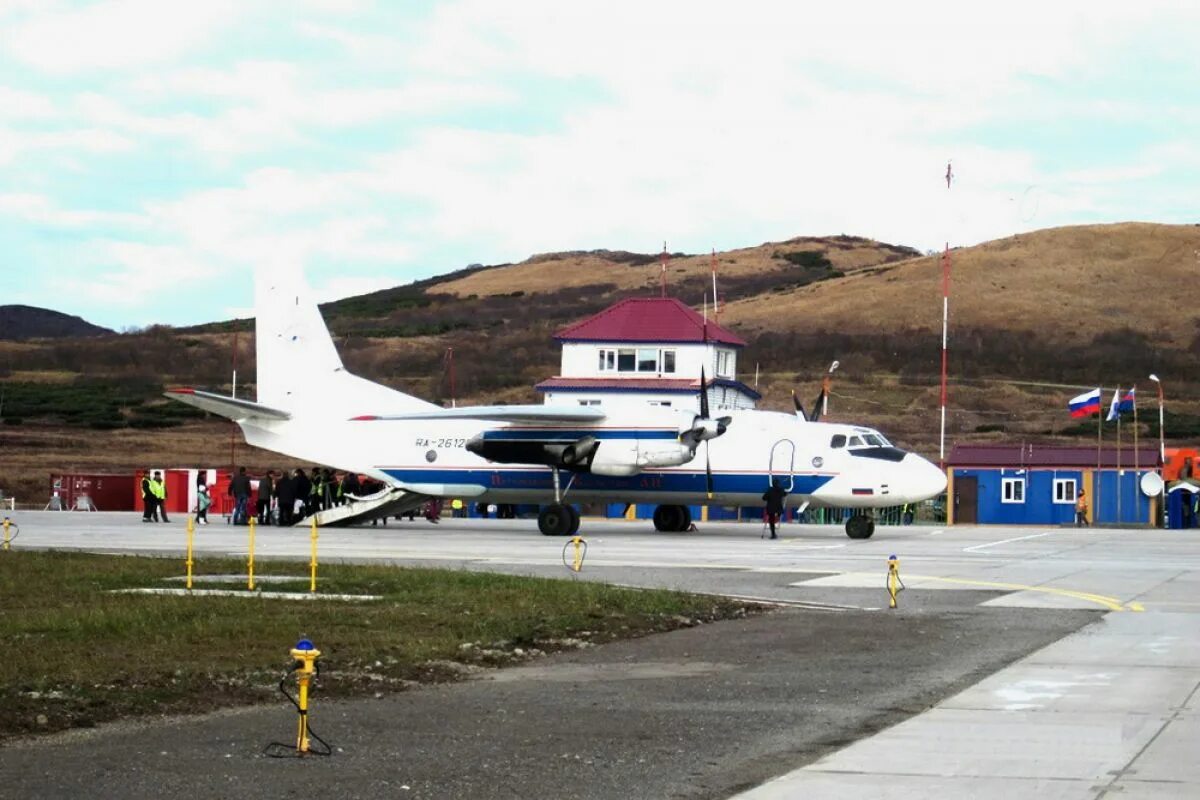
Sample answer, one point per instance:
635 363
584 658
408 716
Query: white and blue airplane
309 407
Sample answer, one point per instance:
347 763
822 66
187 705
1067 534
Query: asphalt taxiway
988 680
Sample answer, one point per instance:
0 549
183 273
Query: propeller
705 428
819 405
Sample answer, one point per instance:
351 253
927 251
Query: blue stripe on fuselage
572 435
682 482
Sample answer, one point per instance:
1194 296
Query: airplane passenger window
837 441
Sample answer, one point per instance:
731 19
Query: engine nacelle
624 458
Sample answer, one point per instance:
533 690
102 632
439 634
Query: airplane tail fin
298 366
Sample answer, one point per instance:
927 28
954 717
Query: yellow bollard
250 559
580 549
313 583
191 530
306 656
7 523
894 584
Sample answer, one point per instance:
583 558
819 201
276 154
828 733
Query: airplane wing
230 407
518 413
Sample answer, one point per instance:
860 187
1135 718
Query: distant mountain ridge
19 322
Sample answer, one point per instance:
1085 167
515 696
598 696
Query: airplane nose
923 479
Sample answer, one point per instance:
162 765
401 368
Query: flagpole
1118 459
1099 432
1136 455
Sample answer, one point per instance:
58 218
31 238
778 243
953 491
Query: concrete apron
1110 711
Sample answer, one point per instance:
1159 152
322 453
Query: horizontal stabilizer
527 413
229 407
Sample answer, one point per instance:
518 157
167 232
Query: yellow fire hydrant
894 584
9 525
306 655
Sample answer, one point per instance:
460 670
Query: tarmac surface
1057 662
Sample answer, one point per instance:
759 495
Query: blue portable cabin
1037 484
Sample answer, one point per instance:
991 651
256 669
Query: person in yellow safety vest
1081 519
159 490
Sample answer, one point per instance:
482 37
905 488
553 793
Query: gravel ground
698 713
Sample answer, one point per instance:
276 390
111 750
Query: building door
966 500
783 462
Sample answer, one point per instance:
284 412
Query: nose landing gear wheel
558 520
860 526
675 519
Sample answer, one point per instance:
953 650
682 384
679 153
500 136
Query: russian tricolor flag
1085 404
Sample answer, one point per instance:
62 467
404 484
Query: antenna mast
716 302
663 272
945 327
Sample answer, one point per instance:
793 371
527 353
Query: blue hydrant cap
305 644
892 557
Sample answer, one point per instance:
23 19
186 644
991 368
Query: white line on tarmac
938 532
1005 541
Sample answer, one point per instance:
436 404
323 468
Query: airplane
310 407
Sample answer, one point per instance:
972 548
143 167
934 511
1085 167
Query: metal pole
945 328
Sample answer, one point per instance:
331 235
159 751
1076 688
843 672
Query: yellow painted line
1111 603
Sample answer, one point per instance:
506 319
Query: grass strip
77 654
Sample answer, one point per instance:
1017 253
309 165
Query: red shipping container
84 491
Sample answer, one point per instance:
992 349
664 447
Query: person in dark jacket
266 490
285 498
329 484
303 488
773 498
350 487
239 490
149 501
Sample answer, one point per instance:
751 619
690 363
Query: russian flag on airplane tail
1085 404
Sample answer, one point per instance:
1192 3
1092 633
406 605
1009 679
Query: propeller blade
708 481
703 394
799 406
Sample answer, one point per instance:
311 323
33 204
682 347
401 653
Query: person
906 515
433 510
266 490
285 498
1081 520
203 501
329 484
350 487
773 497
316 490
239 490
148 498
159 489
302 487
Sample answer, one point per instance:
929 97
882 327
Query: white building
648 350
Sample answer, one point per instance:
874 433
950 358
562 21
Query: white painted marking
1004 541
938 532
253 595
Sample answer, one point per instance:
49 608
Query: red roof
1035 455
648 319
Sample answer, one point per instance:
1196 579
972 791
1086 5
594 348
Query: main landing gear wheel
860 526
675 519
558 520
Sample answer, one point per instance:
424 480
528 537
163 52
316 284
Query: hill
1034 318
29 322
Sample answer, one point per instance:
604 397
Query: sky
154 154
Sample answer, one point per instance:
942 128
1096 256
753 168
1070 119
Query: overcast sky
153 153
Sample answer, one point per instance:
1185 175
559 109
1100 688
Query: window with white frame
724 363
636 359
1064 490
1012 490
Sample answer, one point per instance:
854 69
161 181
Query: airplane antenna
945 327
663 271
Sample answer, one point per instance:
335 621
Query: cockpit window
856 441
837 441
875 440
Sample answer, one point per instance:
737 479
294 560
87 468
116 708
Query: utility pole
945 330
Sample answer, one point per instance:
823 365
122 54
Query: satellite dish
1152 484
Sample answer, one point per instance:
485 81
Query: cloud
117 34
41 210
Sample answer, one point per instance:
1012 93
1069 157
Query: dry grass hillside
630 272
1060 284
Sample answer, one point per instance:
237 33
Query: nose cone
922 479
